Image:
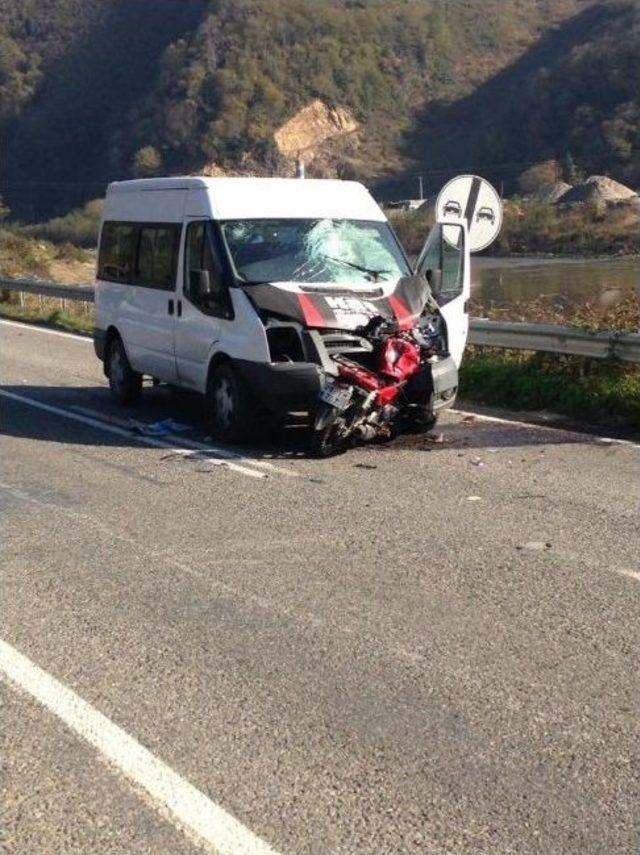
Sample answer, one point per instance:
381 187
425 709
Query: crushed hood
341 308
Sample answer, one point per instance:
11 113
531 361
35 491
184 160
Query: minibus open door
445 262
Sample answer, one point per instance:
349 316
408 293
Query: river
504 281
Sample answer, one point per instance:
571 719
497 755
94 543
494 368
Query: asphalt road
424 647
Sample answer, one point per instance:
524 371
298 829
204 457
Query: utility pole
301 169
420 188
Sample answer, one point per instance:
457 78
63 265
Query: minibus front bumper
444 375
282 387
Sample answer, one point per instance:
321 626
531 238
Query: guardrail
83 294
555 339
501 334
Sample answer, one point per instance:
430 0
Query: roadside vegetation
75 317
24 256
600 393
533 228
78 228
93 89
604 393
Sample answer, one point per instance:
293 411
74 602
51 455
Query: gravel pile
599 188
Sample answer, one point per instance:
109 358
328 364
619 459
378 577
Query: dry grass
532 228
622 314
589 229
25 257
63 314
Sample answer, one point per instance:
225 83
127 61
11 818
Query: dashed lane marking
202 820
191 443
118 431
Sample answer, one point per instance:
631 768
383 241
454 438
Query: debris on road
534 546
161 428
365 466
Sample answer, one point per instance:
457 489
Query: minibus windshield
344 252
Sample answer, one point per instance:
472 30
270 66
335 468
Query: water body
504 281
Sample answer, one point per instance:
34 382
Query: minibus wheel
227 404
125 383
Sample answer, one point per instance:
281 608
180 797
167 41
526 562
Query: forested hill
576 91
92 90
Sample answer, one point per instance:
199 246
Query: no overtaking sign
473 199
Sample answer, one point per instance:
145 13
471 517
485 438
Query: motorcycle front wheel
330 437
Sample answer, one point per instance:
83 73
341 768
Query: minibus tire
125 383
232 423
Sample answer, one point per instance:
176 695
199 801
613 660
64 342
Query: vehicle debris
161 428
534 546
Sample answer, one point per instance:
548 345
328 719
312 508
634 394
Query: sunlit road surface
423 647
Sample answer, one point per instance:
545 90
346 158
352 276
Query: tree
147 162
569 170
538 176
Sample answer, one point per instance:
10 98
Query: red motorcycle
368 402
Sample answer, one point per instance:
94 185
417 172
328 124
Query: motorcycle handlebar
379 327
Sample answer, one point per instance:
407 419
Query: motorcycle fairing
329 307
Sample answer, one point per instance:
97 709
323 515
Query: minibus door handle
170 307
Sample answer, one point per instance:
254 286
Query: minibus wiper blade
367 270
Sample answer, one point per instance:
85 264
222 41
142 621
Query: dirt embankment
25 257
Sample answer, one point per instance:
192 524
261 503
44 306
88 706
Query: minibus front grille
336 343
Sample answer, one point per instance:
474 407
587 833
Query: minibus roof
268 198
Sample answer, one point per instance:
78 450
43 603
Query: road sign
473 199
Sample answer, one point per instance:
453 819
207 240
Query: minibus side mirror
200 284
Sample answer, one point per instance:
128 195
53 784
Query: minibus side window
117 252
443 253
157 257
204 279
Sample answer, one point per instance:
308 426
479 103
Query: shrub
78 227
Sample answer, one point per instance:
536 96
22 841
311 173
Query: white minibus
243 289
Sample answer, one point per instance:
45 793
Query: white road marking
213 449
597 439
25 326
631 574
191 443
118 431
189 809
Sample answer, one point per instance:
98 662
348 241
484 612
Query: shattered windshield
345 252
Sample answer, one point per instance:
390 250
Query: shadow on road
272 442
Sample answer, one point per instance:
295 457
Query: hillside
92 90
576 91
